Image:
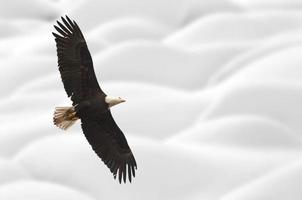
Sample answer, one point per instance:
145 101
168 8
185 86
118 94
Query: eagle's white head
112 101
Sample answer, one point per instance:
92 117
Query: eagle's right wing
75 62
110 144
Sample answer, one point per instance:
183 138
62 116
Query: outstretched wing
110 144
75 63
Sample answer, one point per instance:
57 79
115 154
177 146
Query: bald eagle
90 104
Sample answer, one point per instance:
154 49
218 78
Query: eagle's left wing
75 62
110 144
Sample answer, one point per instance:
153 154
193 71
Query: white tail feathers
64 117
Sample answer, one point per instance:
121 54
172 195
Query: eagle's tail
64 117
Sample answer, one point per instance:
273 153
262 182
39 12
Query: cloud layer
213 95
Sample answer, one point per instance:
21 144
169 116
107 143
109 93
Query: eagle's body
90 104
92 107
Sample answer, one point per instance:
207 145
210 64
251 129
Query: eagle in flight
90 104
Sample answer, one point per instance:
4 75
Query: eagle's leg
64 117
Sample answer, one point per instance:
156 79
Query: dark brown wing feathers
80 83
75 62
110 144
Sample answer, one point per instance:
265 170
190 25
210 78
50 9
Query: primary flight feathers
90 104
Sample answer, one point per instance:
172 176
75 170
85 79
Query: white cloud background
213 89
